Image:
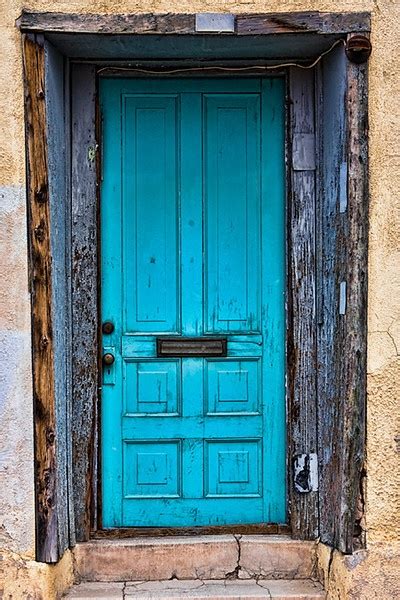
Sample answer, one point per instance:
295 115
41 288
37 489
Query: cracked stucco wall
383 481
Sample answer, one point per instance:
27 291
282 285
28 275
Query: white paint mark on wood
343 187
215 23
304 151
342 298
306 472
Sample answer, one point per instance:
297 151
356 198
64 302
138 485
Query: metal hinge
305 472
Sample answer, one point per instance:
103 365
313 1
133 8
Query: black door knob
107 327
108 359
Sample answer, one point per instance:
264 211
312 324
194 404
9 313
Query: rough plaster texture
383 468
28 580
372 574
16 446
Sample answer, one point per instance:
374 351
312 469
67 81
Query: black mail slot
197 346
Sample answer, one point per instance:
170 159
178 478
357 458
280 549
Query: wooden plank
332 136
146 23
266 24
59 241
68 259
175 23
301 329
302 22
132 532
354 364
342 265
149 23
345 22
40 276
84 296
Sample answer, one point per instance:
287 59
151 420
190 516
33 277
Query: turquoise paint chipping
192 226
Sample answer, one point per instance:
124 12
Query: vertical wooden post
354 334
332 192
302 402
41 299
85 281
342 297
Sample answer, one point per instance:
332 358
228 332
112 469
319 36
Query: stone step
202 557
201 590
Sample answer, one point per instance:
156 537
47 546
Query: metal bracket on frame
305 472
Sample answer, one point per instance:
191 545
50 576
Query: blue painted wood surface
192 225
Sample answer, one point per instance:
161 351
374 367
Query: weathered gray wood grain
354 365
149 23
302 22
330 403
84 295
59 242
302 401
146 23
342 257
68 258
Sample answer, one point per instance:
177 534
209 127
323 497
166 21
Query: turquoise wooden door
192 222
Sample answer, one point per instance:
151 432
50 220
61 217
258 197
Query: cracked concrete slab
100 591
211 589
202 557
276 557
200 590
156 586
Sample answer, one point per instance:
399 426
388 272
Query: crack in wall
314 566
359 532
393 340
328 574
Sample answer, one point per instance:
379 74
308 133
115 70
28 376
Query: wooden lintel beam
302 22
184 24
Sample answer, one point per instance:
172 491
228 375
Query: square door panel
233 468
232 386
152 469
152 387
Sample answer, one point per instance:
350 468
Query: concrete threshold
200 590
209 557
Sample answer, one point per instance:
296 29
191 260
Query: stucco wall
383 482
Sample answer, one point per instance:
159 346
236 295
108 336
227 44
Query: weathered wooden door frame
327 211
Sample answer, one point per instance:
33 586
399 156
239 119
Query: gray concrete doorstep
103 591
200 590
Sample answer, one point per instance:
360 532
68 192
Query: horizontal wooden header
181 24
